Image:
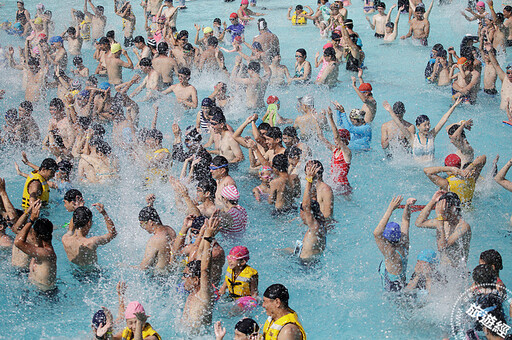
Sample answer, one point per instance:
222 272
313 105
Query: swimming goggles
213 167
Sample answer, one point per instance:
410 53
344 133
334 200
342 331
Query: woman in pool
393 242
360 131
422 142
302 68
328 74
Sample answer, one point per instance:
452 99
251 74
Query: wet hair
277 291
483 274
452 199
80 14
195 268
454 128
399 108
26 105
65 166
81 217
319 165
303 52
185 71
221 161
274 132
104 41
467 52
213 41
349 23
49 164
139 39
492 258
330 52
72 195
93 80
111 34
390 25
84 122
57 103
380 4
264 126
293 152
58 141
208 186
77 61
102 147
442 54
290 131
33 61
254 66
98 129
11 114
71 30
299 8
149 214
217 115
500 18
182 34
198 223
247 326
507 8
100 8
43 227
145 62
280 163
155 134
438 47
217 20
421 119
162 48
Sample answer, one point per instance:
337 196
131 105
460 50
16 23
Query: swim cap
307 100
244 2
115 48
239 253
230 193
207 30
247 326
238 39
356 114
462 61
264 168
99 318
327 46
452 160
198 222
42 36
149 214
207 102
56 39
428 255
272 99
256 45
365 87
480 4
104 85
233 15
151 42
38 21
392 232
84 93
277 291
132 308
344 134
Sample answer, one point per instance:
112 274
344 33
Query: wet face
189 282
509 73
269 305
234 263
22 113
424 127
271 142
380 10
183 78
200 195
288 141
69 206
151 142
47 174
206 110
293 161
131 324
389 29
20 6
419 15
266 176
146 69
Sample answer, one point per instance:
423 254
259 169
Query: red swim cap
452 160
272 99
344 134
365 87
233 15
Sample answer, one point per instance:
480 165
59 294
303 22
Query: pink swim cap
327 45
247 303
132 308
480 4
245 2
230 192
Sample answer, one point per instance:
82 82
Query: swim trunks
378 35
491 92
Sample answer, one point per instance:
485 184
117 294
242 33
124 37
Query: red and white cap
239 253
230 192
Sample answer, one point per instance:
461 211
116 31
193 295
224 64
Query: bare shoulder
290 332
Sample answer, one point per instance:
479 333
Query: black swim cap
290 131
72 194
185 71
277 291
483 274
280 163
247 326
399 108
493 258
163 48
146 62
43 228
81 216
49 164
274 132
149 214
198 222
195 268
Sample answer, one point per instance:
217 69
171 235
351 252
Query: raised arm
206 255
406 219
9 208
427 13
385 248
494 62
500 176
111 233
433 175
181 189
21 238
445 117
422 221
397 121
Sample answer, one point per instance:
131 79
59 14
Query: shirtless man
225 144
129 21
268 40
29 128
320 191
98 20
378 22
100 54
158 247
115 64
170 13
205 196
507 13
419 27
34 70
306 106
273 140
185 93
74 39
145 51
364 91
453 233
219 169
60 123
43 265
284 188
197 278
212 58
81 250
165 65
150 82
151 8
290 138
506 79
255 85
391 135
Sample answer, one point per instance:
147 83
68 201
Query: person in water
392 239
241 279
36 186
246 328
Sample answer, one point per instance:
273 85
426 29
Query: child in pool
262 191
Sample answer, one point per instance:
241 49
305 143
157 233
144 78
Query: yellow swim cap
207 30
115 48
38 21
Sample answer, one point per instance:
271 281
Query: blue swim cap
392 232
56 39
359 42
84 93
99 318
18 25
104 85
428 255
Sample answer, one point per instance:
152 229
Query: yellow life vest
241 285
272 328
156 171
464 188
299 20
85 29
147 331
45 195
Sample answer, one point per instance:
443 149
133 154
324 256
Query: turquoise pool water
339 298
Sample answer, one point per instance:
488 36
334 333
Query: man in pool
98 20
158 248
164 65
321 192
225 144
282 322
391 136
419 27
378 22
220 173
72 199
506 79
458 139
81 250
284 188
115 65
36 186
453 233
256 85
185 93
273 139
